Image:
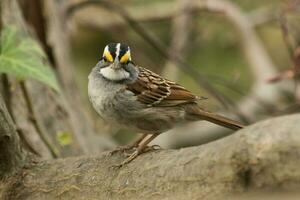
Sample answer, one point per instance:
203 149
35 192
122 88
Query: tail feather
217 119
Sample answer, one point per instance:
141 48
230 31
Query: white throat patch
114 75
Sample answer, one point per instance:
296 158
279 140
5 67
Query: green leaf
64 138
21 56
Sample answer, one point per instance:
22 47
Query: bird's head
116 64
116 54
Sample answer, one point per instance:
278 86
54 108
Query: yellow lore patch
125 58
108 56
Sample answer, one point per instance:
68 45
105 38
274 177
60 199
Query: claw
156 147
152 148
136 153
114 167
122 149
141 147
128 160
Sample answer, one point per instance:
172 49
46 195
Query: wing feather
153 90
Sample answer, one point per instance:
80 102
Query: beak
116 64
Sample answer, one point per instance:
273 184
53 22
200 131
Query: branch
164 10
12 157
260 156
181 30
263 15
292 46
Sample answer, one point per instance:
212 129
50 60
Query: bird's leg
128 147
140 149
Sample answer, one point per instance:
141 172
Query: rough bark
262 156
12 157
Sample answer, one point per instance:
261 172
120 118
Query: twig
262 15
42 134
181 30
291 46
286 36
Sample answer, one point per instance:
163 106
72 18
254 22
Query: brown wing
153 90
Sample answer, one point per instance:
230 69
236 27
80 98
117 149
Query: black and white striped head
116 62
117 52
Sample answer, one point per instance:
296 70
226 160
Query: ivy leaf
21 56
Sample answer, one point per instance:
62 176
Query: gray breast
110 99
117 105
101 94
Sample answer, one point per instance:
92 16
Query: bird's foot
136 153
122 149
130 158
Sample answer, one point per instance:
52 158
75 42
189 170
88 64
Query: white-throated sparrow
134 97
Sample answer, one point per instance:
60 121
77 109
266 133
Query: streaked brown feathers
153 90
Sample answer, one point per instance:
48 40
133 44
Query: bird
127 95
